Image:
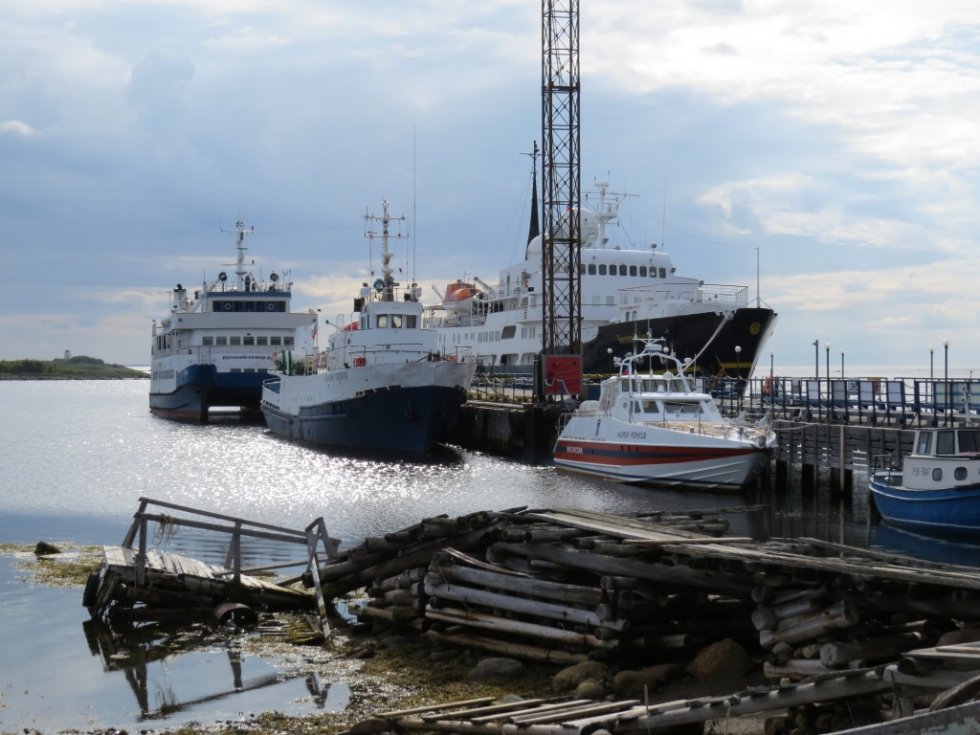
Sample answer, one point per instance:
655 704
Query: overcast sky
835 143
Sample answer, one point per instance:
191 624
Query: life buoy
271 306
227 306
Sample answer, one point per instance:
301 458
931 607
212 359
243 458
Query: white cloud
17 127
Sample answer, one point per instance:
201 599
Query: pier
826 428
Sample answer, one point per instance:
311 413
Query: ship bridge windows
632 270
249 305
602 269
622 269
643 271
207 341
663 272
592 269
945 442
234 340
249 340
275 341
925 443
508 331
220 341
396 321
261 341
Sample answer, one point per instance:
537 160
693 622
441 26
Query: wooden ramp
581 716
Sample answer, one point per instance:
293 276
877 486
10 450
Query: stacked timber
563 586
564 614
391 568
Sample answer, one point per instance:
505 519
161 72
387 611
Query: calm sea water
77 456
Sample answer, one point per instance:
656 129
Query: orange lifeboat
460 296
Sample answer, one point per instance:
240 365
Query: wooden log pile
563 586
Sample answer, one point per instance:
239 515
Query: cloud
18 128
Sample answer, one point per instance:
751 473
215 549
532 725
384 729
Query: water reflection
181 668
935 548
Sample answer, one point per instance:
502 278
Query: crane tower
561 196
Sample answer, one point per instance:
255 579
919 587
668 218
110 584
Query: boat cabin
947 442
941 459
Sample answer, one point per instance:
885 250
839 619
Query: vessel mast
240 232
386 289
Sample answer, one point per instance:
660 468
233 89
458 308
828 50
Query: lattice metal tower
561 181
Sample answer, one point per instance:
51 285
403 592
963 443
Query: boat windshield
969 441
647 406
654 385
683 408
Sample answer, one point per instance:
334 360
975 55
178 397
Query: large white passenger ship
627 292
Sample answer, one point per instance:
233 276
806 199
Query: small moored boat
938 487
653 427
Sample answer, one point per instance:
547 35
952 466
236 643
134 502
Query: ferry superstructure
219 343
627 292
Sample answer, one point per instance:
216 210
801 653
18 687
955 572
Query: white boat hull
617 450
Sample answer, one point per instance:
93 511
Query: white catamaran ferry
217 344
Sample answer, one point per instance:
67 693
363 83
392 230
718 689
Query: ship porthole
755 328
960 473
937 475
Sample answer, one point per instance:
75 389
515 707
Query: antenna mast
561 186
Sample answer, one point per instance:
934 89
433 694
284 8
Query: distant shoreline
69 368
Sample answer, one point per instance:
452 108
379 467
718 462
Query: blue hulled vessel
938 487
381 386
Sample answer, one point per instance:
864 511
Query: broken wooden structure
139 582
563 586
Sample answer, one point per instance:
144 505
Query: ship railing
720 294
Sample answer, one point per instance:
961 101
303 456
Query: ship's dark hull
715 334
399 421
201 387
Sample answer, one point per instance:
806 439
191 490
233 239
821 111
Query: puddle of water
62 671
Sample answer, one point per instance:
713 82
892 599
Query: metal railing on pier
872 400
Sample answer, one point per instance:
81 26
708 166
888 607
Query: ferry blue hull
401 421
201 387
952 511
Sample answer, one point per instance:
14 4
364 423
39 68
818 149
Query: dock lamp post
738 375
816 373
946 401
830 411
772 378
